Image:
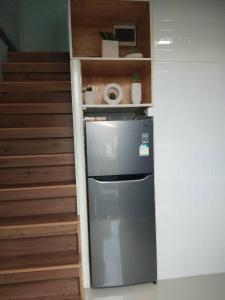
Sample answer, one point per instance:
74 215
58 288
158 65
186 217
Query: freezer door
122 232
119 147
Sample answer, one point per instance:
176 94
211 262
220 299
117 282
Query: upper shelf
90 16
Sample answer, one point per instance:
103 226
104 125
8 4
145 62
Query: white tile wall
195 28
189 99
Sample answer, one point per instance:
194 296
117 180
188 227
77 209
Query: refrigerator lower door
122 232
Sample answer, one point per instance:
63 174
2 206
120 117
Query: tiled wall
195 29
189 100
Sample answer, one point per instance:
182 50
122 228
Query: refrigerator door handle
123 178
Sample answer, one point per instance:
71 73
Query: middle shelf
97 73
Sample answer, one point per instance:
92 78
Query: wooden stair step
41 120
37 97
38 57
36 160
26 67
35 133
38 226
37 191
38 207
63 297
37 174
70 297
36 146
35 86
39 262
44 76
61 289
35 108
36 71
61 272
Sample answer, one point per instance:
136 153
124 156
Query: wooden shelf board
121 59
39 262
106 106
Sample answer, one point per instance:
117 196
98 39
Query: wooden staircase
39 227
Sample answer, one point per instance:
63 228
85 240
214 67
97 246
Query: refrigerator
121 206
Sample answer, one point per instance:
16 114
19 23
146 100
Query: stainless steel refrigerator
121 202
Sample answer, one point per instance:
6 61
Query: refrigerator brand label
144 150
145 138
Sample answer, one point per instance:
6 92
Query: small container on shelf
89 96
110 45
136 89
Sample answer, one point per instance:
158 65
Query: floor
210 287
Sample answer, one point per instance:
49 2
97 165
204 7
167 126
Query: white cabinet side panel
80 166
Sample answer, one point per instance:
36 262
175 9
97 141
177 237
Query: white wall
189 99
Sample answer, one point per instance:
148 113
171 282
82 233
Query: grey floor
210 287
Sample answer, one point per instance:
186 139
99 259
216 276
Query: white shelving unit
88 68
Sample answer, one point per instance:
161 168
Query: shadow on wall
44 25
9 22
34 25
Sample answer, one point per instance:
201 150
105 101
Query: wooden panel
35 67
38 226
37 174
7 233
97 13
118 68
36 132
38 192
33 97
38 207
144 33
38 57
36 221
51 120
36 146
35 86
61 289
35 108
39 261
65 297
9 249
36 160
57 273
36 76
